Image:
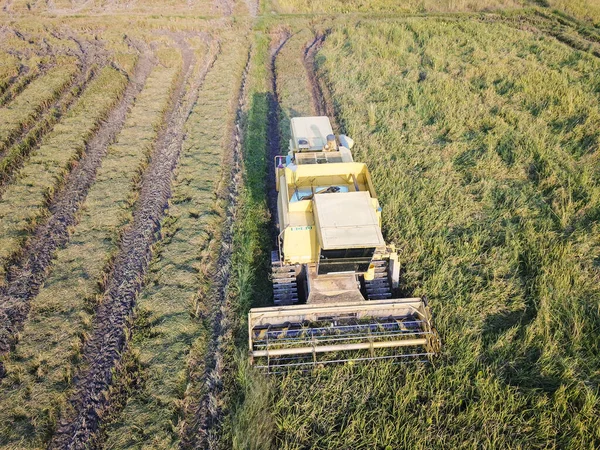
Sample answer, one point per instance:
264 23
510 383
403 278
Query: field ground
136 197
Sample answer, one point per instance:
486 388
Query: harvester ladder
285 284
379 288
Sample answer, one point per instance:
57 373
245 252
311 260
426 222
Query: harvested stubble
91 399
171 309
21 113
293 89
23 202
9 70
60 319
205 8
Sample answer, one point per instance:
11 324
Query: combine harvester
334 277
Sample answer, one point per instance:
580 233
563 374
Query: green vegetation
480 124
483 141
40 371
248 396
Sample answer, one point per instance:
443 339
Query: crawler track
309 65
28 273
108 340
274 137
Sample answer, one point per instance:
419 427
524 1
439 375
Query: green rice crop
482 141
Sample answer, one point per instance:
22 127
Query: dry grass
588 10
50 344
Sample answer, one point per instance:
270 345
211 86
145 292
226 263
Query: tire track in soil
91 60
321 96
278 41
28 273
203 432
224 7
19 82
108 339
88 55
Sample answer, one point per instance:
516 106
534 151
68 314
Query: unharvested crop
483 146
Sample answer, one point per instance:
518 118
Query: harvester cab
335 280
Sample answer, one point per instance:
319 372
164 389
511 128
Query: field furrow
10 71
170 308
13 85
51 341
21 114
108 337
207 400
32 136
24 204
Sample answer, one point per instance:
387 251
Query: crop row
22 204
26 108
173 315
206 8
49 350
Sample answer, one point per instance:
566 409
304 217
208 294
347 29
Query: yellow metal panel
300 245
301 206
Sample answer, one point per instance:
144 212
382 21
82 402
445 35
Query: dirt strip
274 138
108 340
209 410
29 272
321 96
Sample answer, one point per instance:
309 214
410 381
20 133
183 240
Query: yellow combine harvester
334 277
